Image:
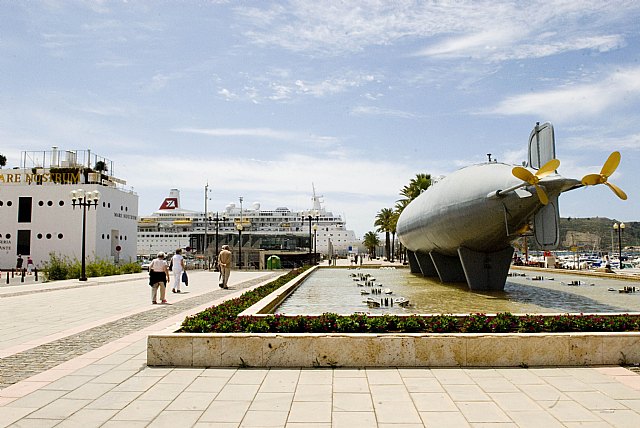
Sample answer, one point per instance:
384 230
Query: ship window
48 236
8 236
49 203
24 210
9 203
60 235
41 203
39 235
61 203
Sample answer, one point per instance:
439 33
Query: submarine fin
546 225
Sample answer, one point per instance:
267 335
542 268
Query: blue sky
262 99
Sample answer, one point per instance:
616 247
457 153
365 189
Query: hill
596 233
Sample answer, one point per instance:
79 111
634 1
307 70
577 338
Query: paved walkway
73 354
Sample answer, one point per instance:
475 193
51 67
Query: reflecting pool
334 290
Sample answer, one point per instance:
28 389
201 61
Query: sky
265 100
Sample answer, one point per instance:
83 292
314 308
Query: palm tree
371 242
384 221
416 186
392 228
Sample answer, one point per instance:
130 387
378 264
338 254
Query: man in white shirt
177 267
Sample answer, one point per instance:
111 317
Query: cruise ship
280 231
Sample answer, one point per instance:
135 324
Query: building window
60 235
49 203
24 241
39 235
48 236
40 203
61 203
24 210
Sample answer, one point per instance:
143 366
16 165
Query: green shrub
62 267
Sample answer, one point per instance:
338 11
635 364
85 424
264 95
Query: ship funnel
173 201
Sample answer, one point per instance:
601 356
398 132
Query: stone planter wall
392 350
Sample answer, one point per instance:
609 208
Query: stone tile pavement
75 355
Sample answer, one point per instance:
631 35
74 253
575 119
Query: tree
416 186
3 161
371 242
384 222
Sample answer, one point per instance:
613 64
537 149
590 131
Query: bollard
7 277
12 273
22 276
392 302
35 270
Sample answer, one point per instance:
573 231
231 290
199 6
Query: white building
37 216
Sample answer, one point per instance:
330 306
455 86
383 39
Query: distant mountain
596 233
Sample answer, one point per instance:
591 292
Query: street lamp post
620 229
310 217
80 198
206 223
240 237
315 241
217 219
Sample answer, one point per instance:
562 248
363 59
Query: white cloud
378 111
264 133
578 100
477 29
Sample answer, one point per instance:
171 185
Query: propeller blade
591 179
618 191
548 168
544 200
523 174
611 164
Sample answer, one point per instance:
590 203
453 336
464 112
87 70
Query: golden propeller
607 170
533 179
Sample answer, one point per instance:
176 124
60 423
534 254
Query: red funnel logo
169 204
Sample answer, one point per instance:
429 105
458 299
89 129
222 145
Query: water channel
334 290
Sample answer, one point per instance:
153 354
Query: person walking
177 261
29 265
224 264
158 277
19 262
